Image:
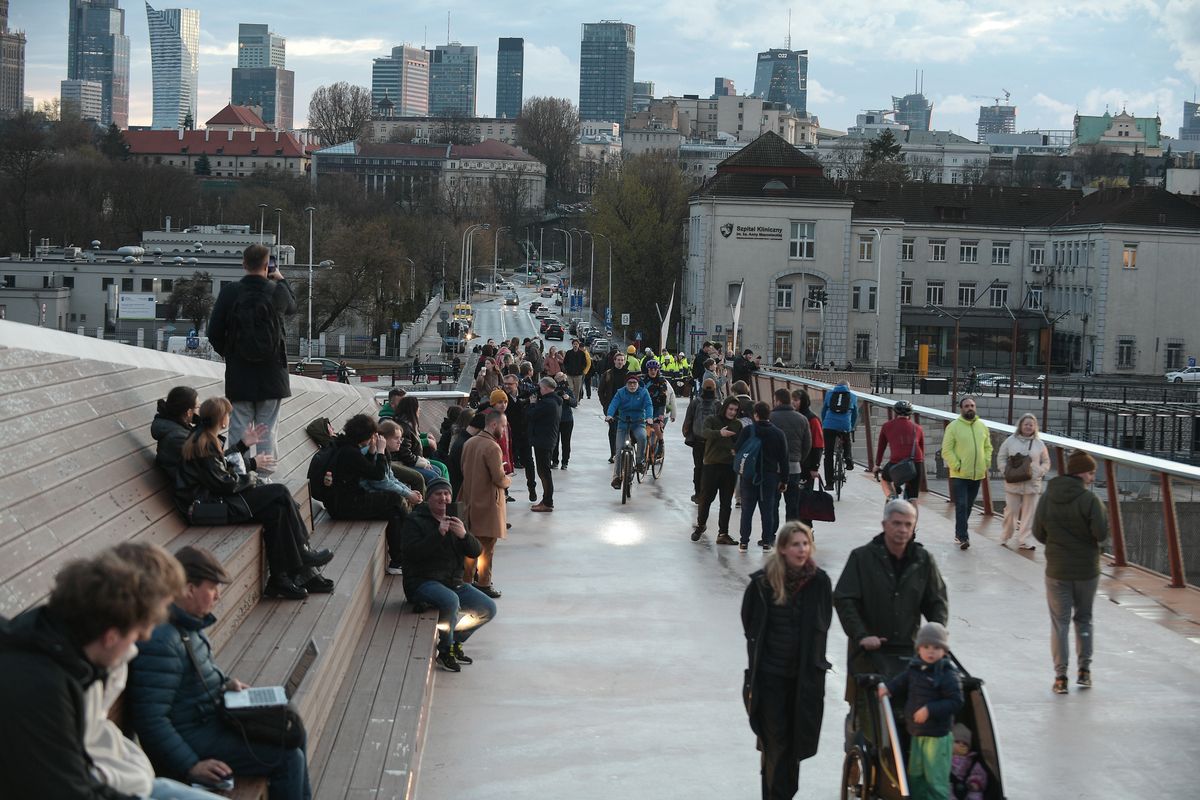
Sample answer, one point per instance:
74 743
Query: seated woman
408 414
393 436
204 473
361 460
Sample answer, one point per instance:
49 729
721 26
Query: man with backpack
246 329
839 417
761 461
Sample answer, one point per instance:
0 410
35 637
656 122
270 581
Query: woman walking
786 612
1025 461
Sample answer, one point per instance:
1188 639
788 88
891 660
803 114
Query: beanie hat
498 396
934 633
434 484
962 734
1080 462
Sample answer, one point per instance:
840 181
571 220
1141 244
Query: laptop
257 697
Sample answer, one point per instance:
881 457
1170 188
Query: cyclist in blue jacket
839 417
630 407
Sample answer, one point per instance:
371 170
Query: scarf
797 579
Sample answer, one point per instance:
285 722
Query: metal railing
1132 483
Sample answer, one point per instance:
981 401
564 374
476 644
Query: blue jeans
249 412
766 497
451 605
639 437
965 492
286 770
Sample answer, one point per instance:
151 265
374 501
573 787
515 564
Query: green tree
643 210
883 160
202 165
112 144
24 153
191 299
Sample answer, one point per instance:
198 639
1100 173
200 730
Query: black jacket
813 461
349 466
569 401
43 677
936 686
574 362
796 430
243 380
212 474
610 382
454 460
170 435
426 554
742 368
543 417
774 447
699 409
816 613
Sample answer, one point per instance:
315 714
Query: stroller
874 767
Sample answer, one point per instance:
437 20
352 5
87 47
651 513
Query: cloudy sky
1054 56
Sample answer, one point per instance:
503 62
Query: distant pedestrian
812 462
574 366
700 408
967 451
566 423
768 479
543 417
799 441
482 499
1024 461
343 372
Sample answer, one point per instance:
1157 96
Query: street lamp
878 232
278 231
607 241
591 271
262 219
496 254
308 347
957 328
570 254
465 259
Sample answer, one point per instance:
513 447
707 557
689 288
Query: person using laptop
173 684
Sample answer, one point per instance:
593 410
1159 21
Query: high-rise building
1191 121
723 87
81 100
914 111
98 50
403 78
782 77
510 78
997 119
12 65
260 78
643 95
606 56
453 76
175 64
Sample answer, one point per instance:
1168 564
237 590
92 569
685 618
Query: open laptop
270 696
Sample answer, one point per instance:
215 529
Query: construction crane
1007 95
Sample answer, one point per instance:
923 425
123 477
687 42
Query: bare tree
548 129
339 112
453 130
191 299
402 134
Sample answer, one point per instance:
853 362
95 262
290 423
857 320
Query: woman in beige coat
1020 499
481 499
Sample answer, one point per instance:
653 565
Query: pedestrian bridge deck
615 662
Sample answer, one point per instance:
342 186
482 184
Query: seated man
174 687
433 546
49 657
388 409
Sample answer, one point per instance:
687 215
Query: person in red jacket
905 439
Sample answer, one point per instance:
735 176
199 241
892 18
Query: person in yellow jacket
632 362
667 361
682 363
967 451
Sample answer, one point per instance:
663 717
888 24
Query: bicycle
628 463
656 451
839 465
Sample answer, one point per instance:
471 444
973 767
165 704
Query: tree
24 152
548 129
339 113
203 167
191 299
883 161
402 134
188 122
112 143
453 130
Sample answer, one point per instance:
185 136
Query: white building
931 156
428 129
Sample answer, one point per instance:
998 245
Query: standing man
839 417
967 451
574 365
482 498
744 365
812 463
246 329
1071 522
799 441
518 426
763 484
543 417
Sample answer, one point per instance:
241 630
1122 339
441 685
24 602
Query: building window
167 284
783 346
998 296
1174 355
1035 297
935 293
966 294
47 281
908 248
804 242
856 298
862 346
1129 255
872 297
147 284
783 297
10 281
1001 253
82 318
1126 354
968 252
906 290
734 289
126 284
1037 254
866 248
69 283
937 250
105 283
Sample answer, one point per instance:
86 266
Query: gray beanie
934 633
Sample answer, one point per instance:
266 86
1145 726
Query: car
547 292
599 346
534 306
506 286
479 286
554 331
548 321
543 312
511 299
329 366
1185 375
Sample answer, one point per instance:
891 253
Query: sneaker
1060 685
767 546
553 465
696 531
314 582
541 507
459 656
849 466
450 663
743 547
963 544
510 499
695 498
564 465
725 538
616 482
490 591
533 495
1028 547
1084 679
393 568
611 459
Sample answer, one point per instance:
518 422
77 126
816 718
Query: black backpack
839 403
254 330
322 462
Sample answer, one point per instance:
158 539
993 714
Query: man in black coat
744 365
543 418
246 329
574 364
771 481
611 382
519 394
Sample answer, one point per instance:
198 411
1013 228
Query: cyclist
662 396
839 416
611 382
631 408
905 439
682 364
631 360
668 362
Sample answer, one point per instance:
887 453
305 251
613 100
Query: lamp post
567 236
496 254
278 231
608 242
412 279
262 220
957 329
878 232
591 271
308 347
464 273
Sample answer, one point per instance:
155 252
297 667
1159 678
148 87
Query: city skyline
858 58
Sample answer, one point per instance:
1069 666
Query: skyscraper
914 111
643 96
175 64
453 76
12 65
1191 121
81 100
606 56
997 119
723 87
782 77
260 78
510 77
403 78
98 50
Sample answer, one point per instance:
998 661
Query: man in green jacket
1071 522
967 451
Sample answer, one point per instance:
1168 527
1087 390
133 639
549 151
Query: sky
1055 57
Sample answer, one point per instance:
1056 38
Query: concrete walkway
614 666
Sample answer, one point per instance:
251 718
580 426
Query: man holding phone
246 329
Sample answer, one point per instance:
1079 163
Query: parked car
600 346
1185 375
479 286
554 331
329 366
547 322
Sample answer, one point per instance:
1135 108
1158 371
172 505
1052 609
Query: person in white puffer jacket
1020 499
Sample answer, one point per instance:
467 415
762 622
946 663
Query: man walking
796 430
518 404
543 417
1071 522
246 329
967 451
482 498
763 478
574 365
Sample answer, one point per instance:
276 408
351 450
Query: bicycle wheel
656 461
626 477
839 473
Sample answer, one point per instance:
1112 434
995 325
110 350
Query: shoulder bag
904 471
1019 467
816 504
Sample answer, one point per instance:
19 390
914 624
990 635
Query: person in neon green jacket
967 451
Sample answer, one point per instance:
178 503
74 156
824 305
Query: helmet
649 351
651 364
631 349
681 355
902 408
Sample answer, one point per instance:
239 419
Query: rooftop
278 144
237 116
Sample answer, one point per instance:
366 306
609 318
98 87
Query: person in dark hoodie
771 481
518 392
811 468
611 382
446 433
543 419
700 408
799 440
566 423
454 457
50 655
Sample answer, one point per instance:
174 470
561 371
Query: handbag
904 471
816 505
214 509
1019 467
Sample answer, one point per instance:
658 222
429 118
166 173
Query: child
932 691
968 778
